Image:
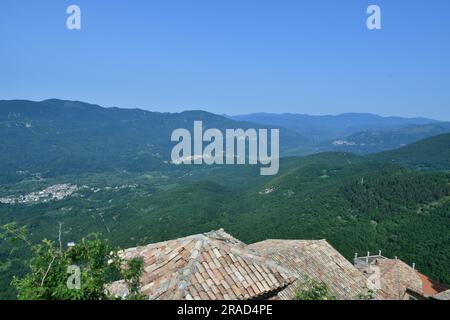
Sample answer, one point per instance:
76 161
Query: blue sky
231 56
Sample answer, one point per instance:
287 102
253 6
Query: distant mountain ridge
322 128
57 137
374 141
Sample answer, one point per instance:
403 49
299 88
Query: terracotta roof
316 260
205 267
395 277
216 266
429 287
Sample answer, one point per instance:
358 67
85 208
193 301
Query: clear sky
231 56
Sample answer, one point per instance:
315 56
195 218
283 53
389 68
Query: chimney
379 253
414 266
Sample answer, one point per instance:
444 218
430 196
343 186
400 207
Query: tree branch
59 237
48 270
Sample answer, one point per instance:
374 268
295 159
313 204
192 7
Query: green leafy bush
80 272
313 290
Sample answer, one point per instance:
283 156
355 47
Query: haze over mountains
322 128
106 170
359 133
64 137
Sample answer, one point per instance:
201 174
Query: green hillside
431 153
375 141
102 170
56 137
357 204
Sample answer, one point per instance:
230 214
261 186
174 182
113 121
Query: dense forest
110 175
357 204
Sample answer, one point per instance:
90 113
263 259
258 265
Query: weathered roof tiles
314 259
207 266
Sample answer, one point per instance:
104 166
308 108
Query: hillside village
217 266
54 192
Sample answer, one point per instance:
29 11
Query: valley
127 191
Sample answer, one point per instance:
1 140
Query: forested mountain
55 137
431 153
102 170
366 142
